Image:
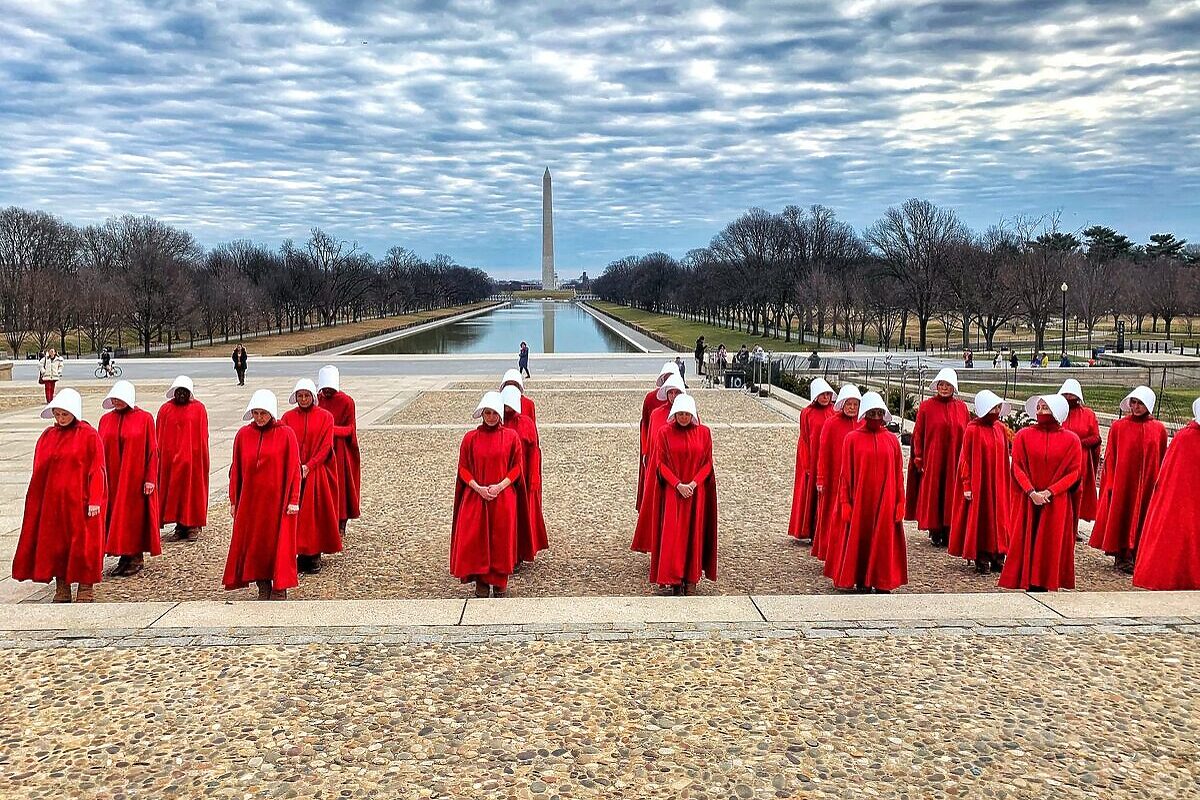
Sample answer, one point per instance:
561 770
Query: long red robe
803 521
980 527
531 525
936 442
649 403
317 523
1041 545
871 498
264 479
58 538
1082 422
483 532
528 408
347 460
183 464
643 532
684 530
1136 446
826 535
1168 555
131 461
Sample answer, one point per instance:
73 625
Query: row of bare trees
142 275
803 271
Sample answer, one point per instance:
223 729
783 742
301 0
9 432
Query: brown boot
279 595
122 565
136 564
482 589
62 591
264 589
85 594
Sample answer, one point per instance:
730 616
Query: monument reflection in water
545 327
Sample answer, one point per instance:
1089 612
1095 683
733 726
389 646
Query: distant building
549 277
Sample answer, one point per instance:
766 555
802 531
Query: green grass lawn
683 333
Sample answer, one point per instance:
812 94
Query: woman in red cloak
513 377
347 460
1136 445
1168 554
803 520
1047 462
317 523
681 501
671 388
62 531
933 463
183 464
979 532
1082 422
483 531
873 555
264 500
131 462
827 533
649 403
531 525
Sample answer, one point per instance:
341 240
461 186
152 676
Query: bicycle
111 371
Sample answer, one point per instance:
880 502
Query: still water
545 327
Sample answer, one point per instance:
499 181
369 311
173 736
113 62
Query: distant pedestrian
968 359
722 357
996 359
814 361
682 368
1014 362
700 356
1065 361
239 364
743 356
523 360
50 372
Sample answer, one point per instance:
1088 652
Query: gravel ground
1008 717
571 405
32 396
399 548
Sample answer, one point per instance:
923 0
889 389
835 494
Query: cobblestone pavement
925 716
399 548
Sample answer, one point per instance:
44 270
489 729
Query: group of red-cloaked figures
1009 503
293 484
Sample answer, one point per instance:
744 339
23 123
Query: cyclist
106 360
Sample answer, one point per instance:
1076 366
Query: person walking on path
523 360
50 372
1082 422
531 524
1136 445
1046 463
679 365
873 555
132 464
933 463
1168 555
317 530
700 348
979 528
1014 361
802 522
62 530
264 501
483 529
239 364
183 460
345 443
826 539
682 501
650 403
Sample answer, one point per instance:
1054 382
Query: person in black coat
239 364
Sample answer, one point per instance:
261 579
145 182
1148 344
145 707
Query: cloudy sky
429 124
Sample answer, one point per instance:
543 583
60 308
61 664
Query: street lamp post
1063 351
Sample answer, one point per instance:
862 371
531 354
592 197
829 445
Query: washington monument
549 281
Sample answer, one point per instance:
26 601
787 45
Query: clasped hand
1040 498
686 489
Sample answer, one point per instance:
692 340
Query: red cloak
933 466
483 532
58 538
649 403
1082 422
1041 544
871 497
980 527
1168 554
1136 446
346 456
131 461
643 532
826 534
183 463
317 523
803 521
683 530
528 409
264 479
531 525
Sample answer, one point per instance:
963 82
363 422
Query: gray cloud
429 124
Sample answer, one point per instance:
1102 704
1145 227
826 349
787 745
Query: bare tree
1048 256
